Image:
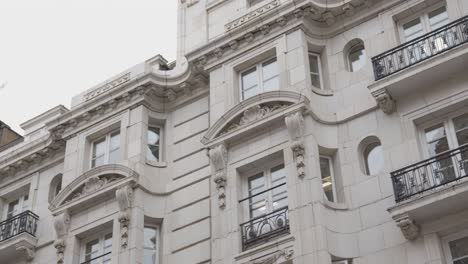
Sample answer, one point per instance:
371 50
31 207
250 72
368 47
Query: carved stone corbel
27 250
218 157
408 227
295 125
124 198
385 101
61 225
329 18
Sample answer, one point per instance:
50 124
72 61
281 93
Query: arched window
55 186
356 56
372 156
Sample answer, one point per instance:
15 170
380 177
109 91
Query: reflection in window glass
153 141
99 151
149 245
270 75
374 158
436 139
114 150
257 204
438 18
327 181
279 194
357 58
459 250
264 77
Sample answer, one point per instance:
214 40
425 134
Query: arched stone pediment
252 110
96 182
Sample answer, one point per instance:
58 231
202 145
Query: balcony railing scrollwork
417 50
25 222
440 170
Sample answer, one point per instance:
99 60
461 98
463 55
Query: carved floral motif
218 158
92 185
295 125
124 198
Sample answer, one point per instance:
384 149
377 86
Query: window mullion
260 77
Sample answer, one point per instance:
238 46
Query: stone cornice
243 30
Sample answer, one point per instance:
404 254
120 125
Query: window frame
157 242
423 15
161 131
354 48
107 140
447 239
266 172
23 205
330 164
260 80
100 236
320 70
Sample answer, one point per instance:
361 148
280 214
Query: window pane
257 204
250 92
115 141
99 147
459 249
438 18
413 29
249 79
435 133
114 156
13 208
374 159
315 80
271 84
269 69
357 58
327 183
92 249
149 245
436 139
98 161
314 63
153 135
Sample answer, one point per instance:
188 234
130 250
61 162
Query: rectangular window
425 23
153 151
98 250
106 150
150 245
328 183
267 191
315 70
17 206
263 77
459 250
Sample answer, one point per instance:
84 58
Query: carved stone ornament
385 101
234 44
108 86
252 114
218 157
329 18
60 246
295 125
252 15
61 224
408 227
28 251
92 185
124 198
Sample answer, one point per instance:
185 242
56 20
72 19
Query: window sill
268 245
322 92
157 164
335 206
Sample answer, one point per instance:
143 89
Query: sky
51 50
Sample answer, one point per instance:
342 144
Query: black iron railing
420 49
26 222
445 168
265 227
98 259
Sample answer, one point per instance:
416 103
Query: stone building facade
286 131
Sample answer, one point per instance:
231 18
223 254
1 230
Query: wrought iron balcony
26 222
440 170
264 227
421 49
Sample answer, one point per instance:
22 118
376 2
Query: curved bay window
267 204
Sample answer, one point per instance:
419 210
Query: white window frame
424 17
258 68
106 138
157 241
449 127
330 163
445 243
353 49
99 236
23 205
161 131
266 172
320 73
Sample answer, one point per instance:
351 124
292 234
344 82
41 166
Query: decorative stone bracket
124 198
408 227
295 125
278 257
218 157
61 225
385 101
28 250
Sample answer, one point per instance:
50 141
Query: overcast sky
51 50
